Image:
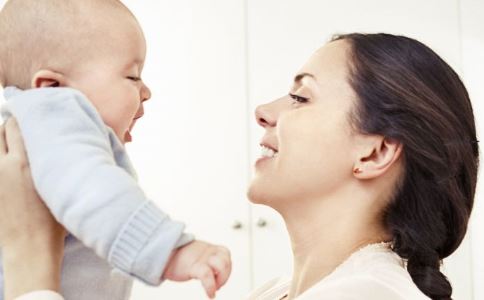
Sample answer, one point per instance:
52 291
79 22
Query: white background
211 62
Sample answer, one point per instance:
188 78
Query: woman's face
309 134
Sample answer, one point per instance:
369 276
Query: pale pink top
41 295
375 272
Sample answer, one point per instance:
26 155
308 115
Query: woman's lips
267 153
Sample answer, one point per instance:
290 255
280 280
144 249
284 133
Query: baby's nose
145 93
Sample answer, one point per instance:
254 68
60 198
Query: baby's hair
51 34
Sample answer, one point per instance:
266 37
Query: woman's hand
32 241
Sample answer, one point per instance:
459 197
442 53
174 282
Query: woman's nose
265 116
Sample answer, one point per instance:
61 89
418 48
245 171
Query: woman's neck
324 235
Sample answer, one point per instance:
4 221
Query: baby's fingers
222 266
205 274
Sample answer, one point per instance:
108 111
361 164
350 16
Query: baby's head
95 46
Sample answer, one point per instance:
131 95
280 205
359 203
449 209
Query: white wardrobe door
190 149
283 34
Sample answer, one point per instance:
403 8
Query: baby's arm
75 173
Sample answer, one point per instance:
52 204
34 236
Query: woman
32 241
372 162
375 145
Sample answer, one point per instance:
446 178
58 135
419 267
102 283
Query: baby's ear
47 78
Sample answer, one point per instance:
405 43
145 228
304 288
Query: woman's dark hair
408 93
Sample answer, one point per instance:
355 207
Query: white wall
211 62
190 148
472 37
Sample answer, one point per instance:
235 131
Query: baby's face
112 82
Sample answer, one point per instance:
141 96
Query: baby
72 69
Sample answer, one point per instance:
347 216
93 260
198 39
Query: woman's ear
47 78
376 157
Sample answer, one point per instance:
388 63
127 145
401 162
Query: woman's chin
251 195
260 192
254 193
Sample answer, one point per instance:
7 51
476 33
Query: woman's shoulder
352 287
374 272
362 286
371 273
273 289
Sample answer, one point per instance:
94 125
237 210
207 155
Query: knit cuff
144 245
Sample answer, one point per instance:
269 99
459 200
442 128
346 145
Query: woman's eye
133 78
299 98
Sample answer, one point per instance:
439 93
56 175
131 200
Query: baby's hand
199 260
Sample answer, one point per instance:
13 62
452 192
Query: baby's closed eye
134 78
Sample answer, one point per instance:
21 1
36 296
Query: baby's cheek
112 119
129 112
125 116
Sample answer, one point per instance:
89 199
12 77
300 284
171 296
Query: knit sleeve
75 171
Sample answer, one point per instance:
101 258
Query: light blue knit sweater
84 175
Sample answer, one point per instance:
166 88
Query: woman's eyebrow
299 77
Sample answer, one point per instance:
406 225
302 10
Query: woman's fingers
3 140
15 142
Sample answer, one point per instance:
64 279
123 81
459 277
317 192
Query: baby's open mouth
127 137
